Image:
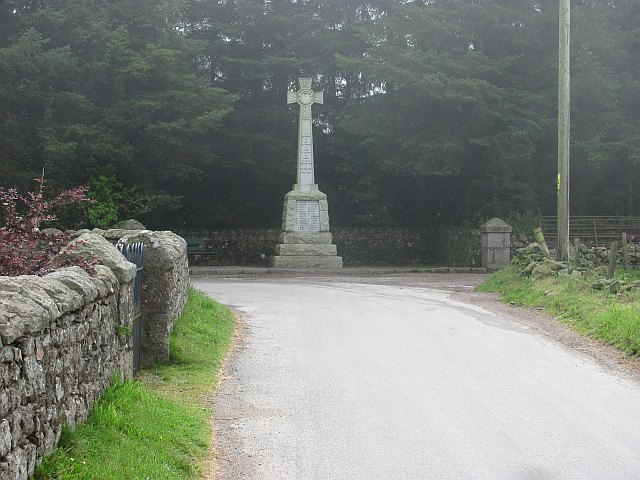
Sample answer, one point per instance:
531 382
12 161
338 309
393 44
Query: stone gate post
496 244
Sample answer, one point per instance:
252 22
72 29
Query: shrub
24 248
111 202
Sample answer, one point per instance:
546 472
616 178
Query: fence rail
598 231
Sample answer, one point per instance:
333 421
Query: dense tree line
436 111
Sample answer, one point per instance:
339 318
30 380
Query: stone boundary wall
590 256
62 338
450 246
599 256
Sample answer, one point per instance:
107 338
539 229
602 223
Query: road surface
336 379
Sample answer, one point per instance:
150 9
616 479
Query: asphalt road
345 380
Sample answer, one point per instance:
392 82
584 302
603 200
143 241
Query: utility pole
564 123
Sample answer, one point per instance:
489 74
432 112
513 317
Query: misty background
436 112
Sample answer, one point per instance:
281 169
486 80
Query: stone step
305 237
308 249
306 261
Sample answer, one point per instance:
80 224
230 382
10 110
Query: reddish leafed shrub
24 248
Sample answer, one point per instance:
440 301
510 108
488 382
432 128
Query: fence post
613 255
576 251
625 252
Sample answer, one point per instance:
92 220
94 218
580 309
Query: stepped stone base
306 261
308 250
306 237
305 241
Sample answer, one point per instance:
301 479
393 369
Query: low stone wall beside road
62 338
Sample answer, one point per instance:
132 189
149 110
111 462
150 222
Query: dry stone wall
451 246
62 338
593 267
598 256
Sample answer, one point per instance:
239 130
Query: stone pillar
165 288
496 244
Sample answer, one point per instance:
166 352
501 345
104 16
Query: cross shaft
305 97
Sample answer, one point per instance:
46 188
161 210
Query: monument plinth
305 241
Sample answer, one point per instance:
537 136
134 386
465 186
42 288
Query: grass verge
157 427
611 318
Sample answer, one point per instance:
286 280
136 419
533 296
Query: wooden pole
564 122
576 251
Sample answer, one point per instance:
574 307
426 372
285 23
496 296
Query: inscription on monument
306 158
307 216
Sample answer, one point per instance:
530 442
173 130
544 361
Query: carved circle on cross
305 96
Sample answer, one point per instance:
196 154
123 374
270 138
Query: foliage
627 275
125 330
521 262
24 248
107 193
611 318
87 88
523 223
435 112
158 426
113 201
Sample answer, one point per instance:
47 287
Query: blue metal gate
134 252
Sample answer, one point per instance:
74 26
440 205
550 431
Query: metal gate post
134 253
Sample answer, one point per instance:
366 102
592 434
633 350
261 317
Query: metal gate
134 252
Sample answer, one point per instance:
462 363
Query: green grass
628 275
611 318
198 348
158 427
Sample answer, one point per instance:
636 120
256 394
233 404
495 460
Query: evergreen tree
438 111
453 103
87 88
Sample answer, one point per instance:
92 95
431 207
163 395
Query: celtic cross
305 97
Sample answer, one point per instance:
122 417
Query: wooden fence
597 231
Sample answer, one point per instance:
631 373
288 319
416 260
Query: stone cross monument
305 241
